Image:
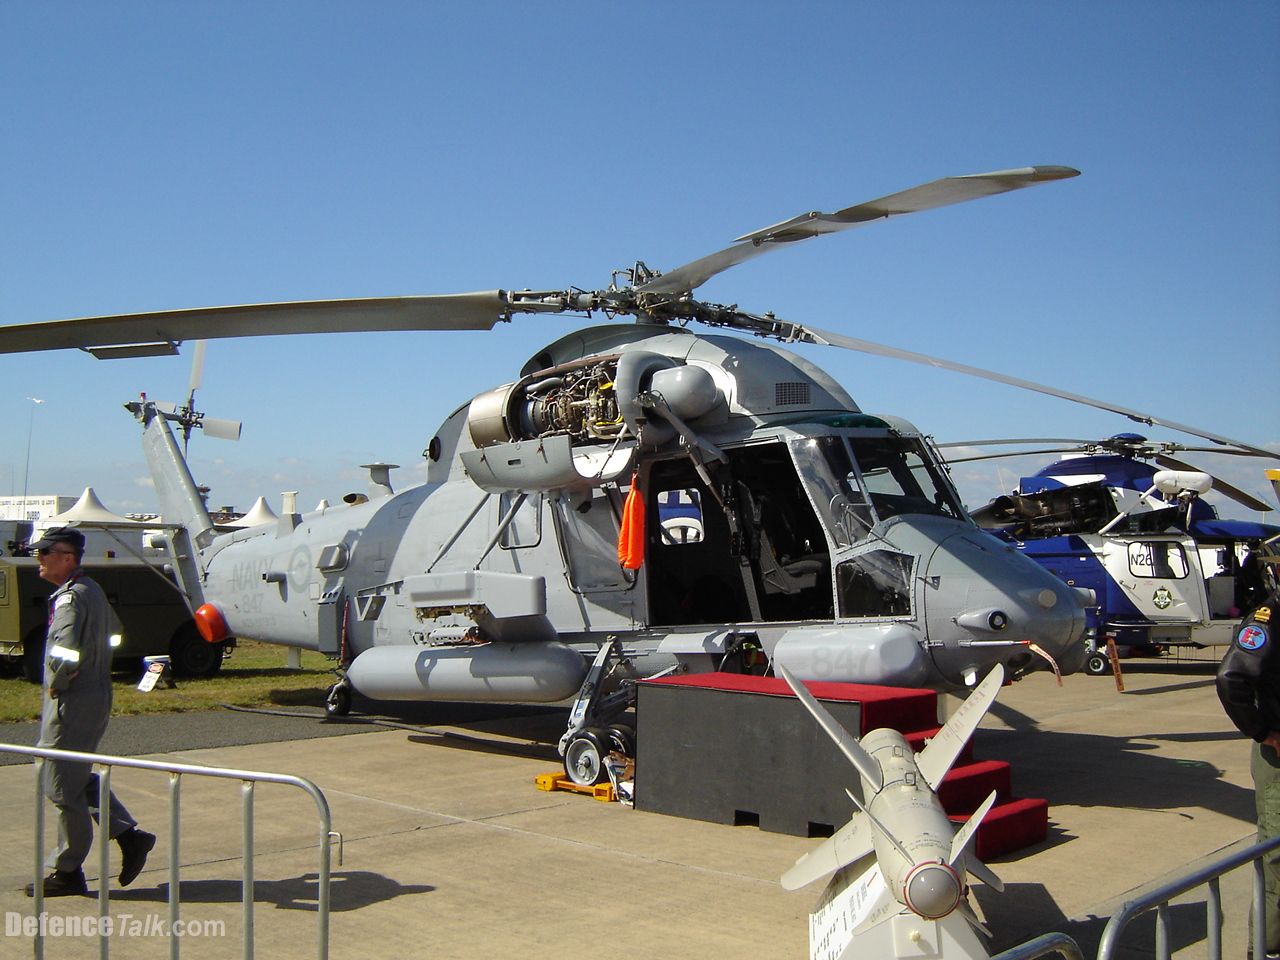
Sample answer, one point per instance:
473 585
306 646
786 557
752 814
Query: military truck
152 614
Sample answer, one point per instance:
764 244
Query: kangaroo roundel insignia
1252 637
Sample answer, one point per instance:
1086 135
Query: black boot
62 883
135 844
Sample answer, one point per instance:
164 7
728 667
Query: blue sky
157 156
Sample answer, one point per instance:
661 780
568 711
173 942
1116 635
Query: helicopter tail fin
180 502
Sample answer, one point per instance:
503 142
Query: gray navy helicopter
812 534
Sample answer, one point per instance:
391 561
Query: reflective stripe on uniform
64 653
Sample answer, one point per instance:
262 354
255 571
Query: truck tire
33 655
190 655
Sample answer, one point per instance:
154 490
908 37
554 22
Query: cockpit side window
854 482
827 472
875 584
900 478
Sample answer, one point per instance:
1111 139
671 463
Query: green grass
254 676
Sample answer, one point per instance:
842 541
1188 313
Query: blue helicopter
1124 517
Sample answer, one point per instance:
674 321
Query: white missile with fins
905 851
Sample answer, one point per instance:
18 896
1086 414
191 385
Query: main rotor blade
809 334
939 193
1220 485
990 443
1016 453
136 334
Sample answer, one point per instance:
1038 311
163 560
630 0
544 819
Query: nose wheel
337 702
1098 665
584 758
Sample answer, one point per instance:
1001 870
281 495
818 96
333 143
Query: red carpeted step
965 786
897 709
1010 826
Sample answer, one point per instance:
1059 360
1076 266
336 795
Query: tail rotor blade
197 369
220 429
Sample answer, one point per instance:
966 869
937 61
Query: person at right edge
1249 688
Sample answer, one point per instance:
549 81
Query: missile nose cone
932 890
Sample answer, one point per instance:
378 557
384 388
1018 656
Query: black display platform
742 750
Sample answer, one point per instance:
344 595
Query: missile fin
866 812
885 907
865 764
984 873
850 843
964 836
966 911
936 759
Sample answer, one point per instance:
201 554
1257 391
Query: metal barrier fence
1205 876
176 771
1049 945
1059 943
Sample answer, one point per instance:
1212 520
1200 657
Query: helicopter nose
995 604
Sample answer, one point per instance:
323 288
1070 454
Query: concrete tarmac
451 852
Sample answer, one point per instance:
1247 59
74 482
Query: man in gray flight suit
1249 688
77 706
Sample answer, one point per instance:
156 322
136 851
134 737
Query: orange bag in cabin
631 536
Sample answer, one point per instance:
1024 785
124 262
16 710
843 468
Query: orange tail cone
631 536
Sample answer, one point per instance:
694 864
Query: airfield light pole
26 473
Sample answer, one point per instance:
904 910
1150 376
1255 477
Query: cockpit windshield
855 481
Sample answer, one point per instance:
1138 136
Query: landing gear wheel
584 758
622 739
190 655
337 702
1098 664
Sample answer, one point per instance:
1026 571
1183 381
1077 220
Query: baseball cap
66 536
